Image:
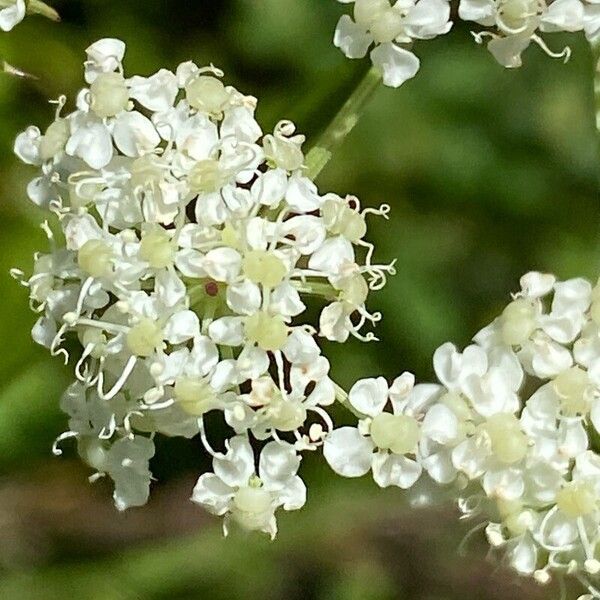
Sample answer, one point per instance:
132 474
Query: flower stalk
342 124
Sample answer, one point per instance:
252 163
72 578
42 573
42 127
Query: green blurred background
489 173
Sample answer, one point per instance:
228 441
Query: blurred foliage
489 173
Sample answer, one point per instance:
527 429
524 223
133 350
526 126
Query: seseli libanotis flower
390 28
515 24
184 244
514 421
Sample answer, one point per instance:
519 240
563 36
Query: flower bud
110 95
95 258
264 268
398 433
207 94
144 337
269 332
156 249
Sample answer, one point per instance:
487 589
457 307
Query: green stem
596 55
342 397
342 124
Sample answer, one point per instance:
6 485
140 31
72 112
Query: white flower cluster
516 23
392 26
515 421
185 244
389 27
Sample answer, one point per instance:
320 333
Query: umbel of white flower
514 24
514 420
184 244
391 28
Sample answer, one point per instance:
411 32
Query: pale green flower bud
95 258
340 219
55 138
368 11
572 387
517 322
207 94
206 177
156 249
252 507
194 395
144 338
354 290
509 443
264 268
398 433
577 499
283 153
110 95
287 415
387 26
268 332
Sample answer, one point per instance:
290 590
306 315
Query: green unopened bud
55 138
572 387
368 11
577 499
388 26
147 171
268 332
287 415
195 395
509 443
144 338
95 337
156 249
283 153
517 322
110 95
95 258
354 290
340 219
206 177
252 507
264 268
207 94
398 433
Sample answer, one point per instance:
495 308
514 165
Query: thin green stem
342 124
342 397
596 54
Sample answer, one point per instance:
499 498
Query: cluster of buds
514 421
184 245
392 27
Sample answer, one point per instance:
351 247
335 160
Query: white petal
480 11
252 362
222 264
293 495
537 285
302 194
507 50
332 255
285 300
440 424
90 140
238 465
391 469
369 396
12 15
244 297
277 464
157 92
27 145
348 452
182 326
269 189
135 134
563 15
104 56
395 64
352 39
214 495
227 330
